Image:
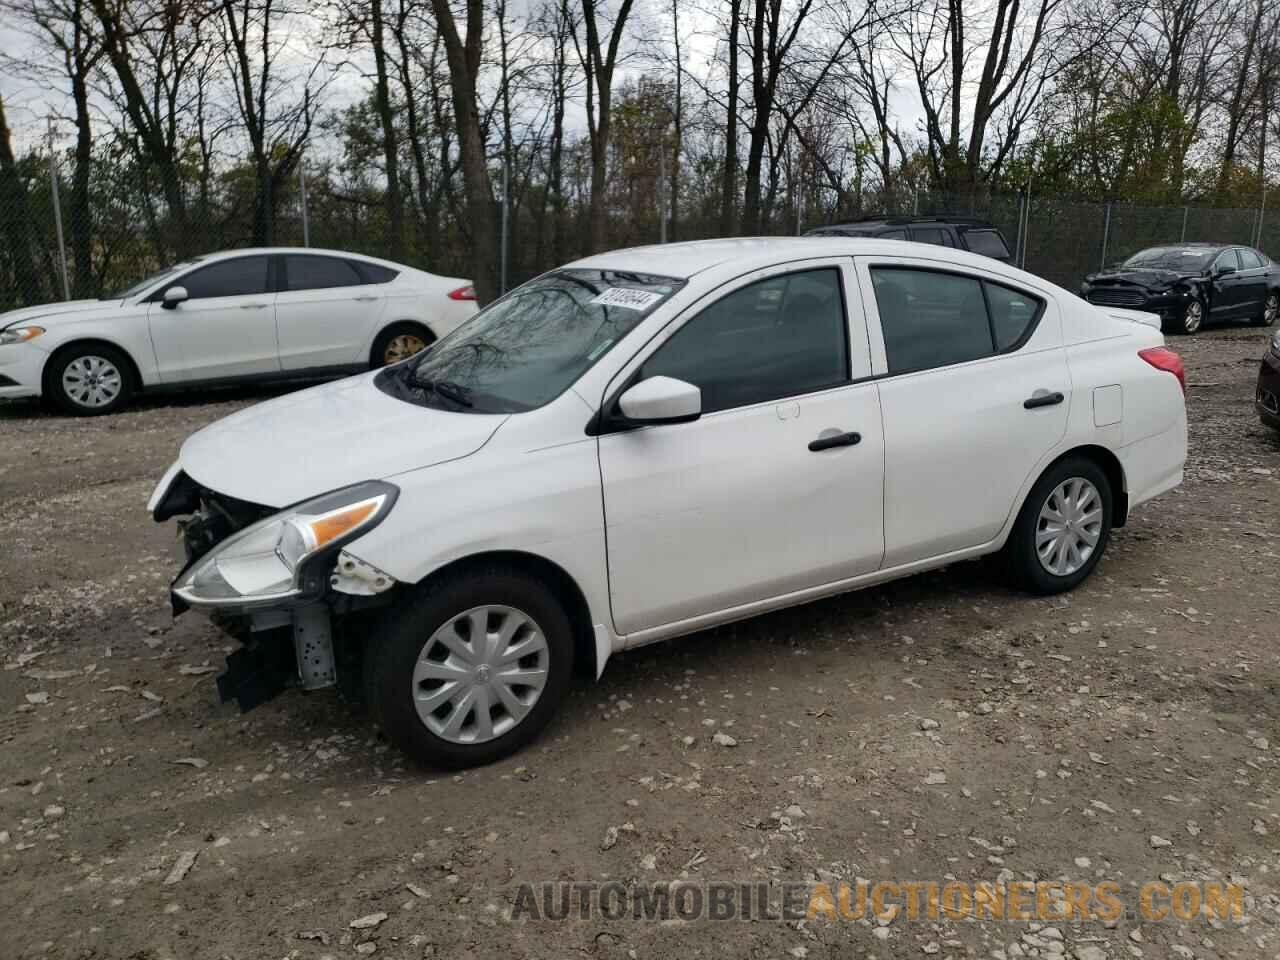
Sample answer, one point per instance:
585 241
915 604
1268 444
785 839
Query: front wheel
1191 320
1063 527
89 380
469 669
1270 309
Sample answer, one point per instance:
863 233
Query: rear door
975 390
225 328
325 311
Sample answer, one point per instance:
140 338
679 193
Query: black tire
1187 321
111 365
1021 556
378 355
399 640
1270 305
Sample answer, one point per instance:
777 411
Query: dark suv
963 233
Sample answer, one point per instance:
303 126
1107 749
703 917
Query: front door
1230 290
975 391
742 505
325 312
225 328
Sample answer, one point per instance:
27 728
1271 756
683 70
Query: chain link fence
69 237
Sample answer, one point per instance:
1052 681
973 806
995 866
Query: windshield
141 285
1181 259
531 345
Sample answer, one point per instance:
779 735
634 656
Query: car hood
1149 279
308 443
55 311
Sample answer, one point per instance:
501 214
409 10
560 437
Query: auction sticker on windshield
625 297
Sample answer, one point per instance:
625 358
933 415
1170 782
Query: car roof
689 258
317 251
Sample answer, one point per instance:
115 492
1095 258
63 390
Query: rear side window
1249 260
989 243
780 337
241 277
894 235
1013 314
375 273
319 273
933 319
934 235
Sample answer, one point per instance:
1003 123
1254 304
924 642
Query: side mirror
1224 270
173 296
661 400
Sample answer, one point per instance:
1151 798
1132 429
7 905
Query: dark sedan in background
1190 284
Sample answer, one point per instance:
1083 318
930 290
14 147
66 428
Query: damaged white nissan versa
653 441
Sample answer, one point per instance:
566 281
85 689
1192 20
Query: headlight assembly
19 334
271 560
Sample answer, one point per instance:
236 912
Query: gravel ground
942 727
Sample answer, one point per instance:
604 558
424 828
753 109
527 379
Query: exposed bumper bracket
313 647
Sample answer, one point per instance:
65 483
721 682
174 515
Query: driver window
241 277
1227 259
780 337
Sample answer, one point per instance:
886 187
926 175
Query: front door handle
254 306
366 299
829 440
1043 399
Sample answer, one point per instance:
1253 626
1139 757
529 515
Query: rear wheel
1063 527
89 379
1270 309
400 341
470 669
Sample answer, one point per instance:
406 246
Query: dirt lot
940 727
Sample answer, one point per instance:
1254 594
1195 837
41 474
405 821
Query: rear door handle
1043 399
254 306
827 441
366 299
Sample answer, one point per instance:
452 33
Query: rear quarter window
989 243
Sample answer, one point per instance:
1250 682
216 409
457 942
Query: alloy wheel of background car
402 348
469 668
398 342
480 674
1270 309
89 380
1063 527
1193 317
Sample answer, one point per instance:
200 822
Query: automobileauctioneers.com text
1043 901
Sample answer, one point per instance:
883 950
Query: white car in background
242 315
654 441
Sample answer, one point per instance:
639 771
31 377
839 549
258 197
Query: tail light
463 293
1162 358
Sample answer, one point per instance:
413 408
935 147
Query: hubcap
1195 312
1271 309
92 381
402 348
1069 527
480 674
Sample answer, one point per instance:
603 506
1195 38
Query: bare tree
599 63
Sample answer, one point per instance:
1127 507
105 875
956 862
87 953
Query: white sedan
265 314
654 441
